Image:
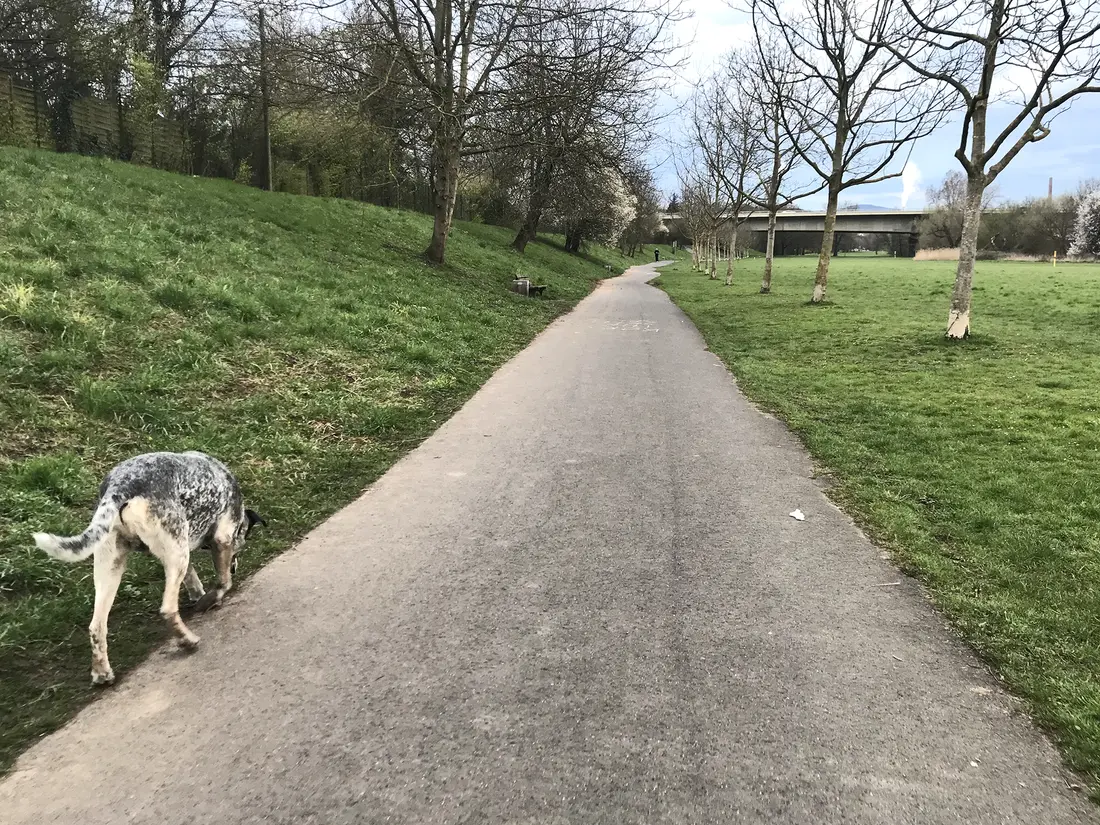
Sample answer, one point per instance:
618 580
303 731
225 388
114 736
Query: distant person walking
657 254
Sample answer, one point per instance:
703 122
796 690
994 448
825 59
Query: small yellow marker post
1055 257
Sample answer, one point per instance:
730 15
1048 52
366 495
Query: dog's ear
253 519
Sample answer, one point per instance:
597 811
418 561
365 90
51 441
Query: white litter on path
798 515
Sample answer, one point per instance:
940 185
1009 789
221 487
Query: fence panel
99 128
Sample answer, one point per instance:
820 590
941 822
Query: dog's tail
78 548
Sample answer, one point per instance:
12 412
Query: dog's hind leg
110 564
193 583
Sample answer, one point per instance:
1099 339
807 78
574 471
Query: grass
975 463
301 340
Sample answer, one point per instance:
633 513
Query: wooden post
265 149
37 118
120 117
11 104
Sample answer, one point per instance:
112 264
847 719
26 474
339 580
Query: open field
975 464
301 340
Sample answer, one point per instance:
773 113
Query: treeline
1035 226
524 114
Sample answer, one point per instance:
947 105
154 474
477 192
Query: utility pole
266 173
1050 190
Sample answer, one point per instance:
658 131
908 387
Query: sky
1070 154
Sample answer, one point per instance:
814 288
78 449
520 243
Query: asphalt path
583 600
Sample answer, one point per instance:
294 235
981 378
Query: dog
170 505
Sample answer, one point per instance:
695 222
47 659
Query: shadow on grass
585 254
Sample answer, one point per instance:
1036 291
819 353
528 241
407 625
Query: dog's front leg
164 531
176 560
223 564
193 583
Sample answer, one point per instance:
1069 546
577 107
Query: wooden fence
101 127
22 114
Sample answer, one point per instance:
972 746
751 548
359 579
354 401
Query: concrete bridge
892 222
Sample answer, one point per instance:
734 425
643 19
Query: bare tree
736 126
1032 56
947 200
710 149
694 211
768 73
707 153
452 51
163 29
646 222
578 89
725 142
743 183
860 107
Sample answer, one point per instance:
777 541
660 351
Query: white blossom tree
1086 230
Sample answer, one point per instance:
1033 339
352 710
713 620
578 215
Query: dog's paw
208 600
189 642
103 679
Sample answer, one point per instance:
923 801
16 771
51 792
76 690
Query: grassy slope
301 340
975 463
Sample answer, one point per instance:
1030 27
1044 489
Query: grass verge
975 463
301 340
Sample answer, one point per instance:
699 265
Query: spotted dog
167 504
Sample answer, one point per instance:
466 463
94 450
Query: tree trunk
573 239
694 256
958 319
733 251
541 179
821 280
529 229
714 258
766 284
444 192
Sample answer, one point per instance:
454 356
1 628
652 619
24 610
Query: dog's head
251 519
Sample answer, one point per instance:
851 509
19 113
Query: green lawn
301 340
975 463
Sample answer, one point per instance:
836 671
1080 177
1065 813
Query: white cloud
712 31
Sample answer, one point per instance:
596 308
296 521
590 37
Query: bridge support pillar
910 244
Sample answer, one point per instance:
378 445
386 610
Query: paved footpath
582 601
